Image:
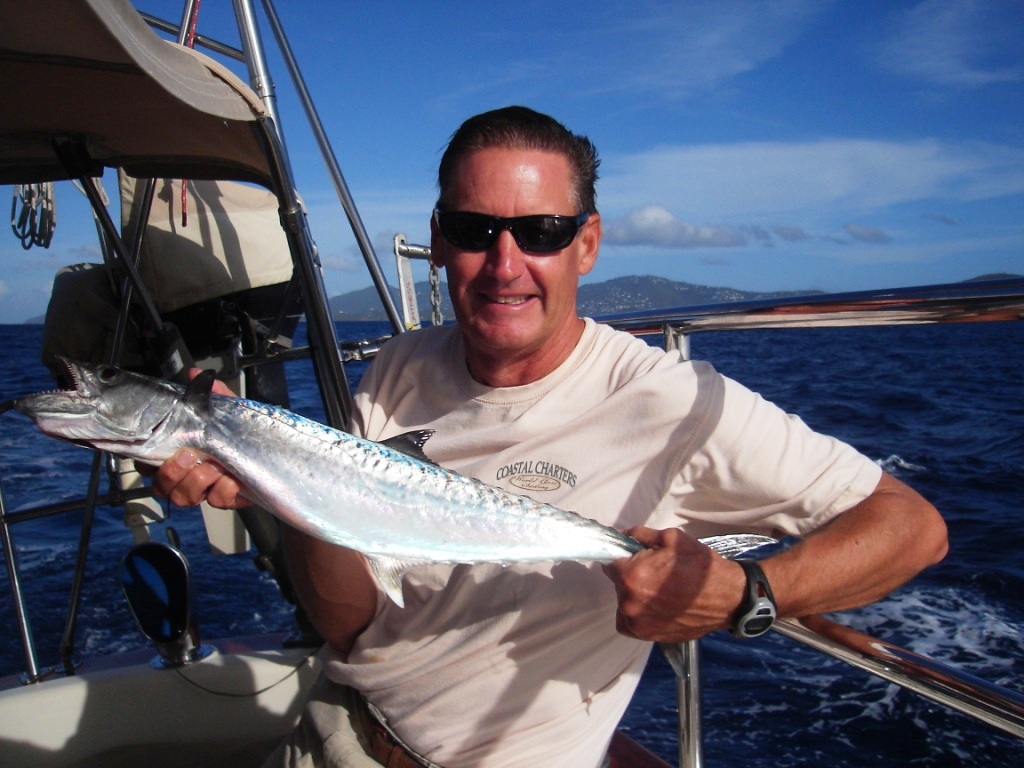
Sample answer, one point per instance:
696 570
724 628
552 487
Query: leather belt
385 746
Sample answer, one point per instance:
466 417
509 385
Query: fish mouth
69 385
76 387
69 380
67 376
75 380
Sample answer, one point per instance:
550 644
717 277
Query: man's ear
590 243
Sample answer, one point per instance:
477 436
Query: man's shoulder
618 348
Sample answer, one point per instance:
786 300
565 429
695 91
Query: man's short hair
523 128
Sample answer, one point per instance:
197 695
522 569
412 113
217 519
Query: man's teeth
508 299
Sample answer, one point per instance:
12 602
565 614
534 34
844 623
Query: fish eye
108 374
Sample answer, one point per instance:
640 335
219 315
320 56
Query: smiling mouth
508 299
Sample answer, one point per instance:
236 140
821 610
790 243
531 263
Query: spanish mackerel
385 500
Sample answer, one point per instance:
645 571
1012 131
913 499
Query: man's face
516 308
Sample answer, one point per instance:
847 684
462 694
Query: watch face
757 620
759 623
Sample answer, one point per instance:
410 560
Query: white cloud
653 225
957 42
675 50
806 183
4 290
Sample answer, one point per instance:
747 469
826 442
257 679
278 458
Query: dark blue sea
941 407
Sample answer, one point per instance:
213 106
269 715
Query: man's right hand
189 477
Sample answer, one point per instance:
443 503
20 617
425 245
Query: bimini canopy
93 72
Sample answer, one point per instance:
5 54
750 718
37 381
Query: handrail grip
999 707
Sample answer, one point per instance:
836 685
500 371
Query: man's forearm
862 555
334 586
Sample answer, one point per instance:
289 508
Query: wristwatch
758 610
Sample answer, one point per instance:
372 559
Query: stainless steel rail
974 301
971 301
977 698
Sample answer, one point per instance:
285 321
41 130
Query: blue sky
758 145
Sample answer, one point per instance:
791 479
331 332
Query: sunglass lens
472 231
543 234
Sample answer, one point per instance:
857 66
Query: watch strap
757 612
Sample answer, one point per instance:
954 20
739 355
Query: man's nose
504 257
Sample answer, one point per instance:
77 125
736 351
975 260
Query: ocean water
941 407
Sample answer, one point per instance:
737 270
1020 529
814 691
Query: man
534 665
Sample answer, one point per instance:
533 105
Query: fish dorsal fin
197 394
411 443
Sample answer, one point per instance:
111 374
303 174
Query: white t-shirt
521 666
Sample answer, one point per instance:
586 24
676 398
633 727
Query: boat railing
978 300
966 693
972 301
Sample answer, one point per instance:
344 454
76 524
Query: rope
36 220
293 671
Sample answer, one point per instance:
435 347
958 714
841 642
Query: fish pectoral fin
388 571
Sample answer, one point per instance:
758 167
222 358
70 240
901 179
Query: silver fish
387 501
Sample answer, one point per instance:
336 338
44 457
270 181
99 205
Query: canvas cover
92 70
185 265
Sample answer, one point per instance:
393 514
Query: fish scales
393 481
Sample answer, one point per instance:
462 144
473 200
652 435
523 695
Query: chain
436 318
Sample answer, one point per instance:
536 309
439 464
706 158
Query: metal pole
323 338
67 643
10 560
323 335
363 240
691 733
685 661
255 60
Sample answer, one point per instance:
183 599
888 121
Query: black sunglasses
541 233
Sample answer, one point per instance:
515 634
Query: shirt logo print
536 476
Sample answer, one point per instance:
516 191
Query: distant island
620 294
